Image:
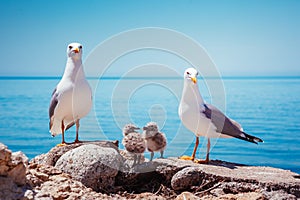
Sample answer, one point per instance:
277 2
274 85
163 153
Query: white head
150 129
129 128
74 51
191 74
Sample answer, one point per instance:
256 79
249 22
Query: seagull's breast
192 118
190 112
74 100
82 98
195 121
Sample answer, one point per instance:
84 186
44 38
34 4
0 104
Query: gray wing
225 126
53 104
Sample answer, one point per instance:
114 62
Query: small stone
187 178
19 157
28 195
42 176
5 154
187 195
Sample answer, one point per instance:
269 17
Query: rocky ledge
99 170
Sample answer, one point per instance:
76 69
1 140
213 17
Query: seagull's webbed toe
187 158
199 161
61 144
77 141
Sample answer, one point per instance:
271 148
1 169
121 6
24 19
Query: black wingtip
251 138
258 140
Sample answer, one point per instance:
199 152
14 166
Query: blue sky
258 38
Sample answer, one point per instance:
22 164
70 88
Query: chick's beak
76 50
194 79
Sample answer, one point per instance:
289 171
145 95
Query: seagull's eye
197 74
70 47
80 47
188 73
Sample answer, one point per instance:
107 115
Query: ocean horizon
107 77
267 107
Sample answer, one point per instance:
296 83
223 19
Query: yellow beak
76 50
194 79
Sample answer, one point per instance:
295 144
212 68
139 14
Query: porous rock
187 195
12 173
169 178
51 183
94 166
187 178
51 157
221 178
13 165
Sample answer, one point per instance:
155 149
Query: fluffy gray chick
155 140
133 142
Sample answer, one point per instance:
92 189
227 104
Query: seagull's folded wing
225 125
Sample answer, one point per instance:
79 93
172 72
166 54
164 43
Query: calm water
266 107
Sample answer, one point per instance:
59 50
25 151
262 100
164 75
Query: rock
5 159
56 152
226 178
187 195
130 174
90 171
13 165
142 177
5 154
188 177
148 196
240 196
94 166
9 190
28 195
280 194
170 166
239 187
19 157
38 174
138 178
18 173
216 179
12 173
57 185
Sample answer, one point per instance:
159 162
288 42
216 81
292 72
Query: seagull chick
155 140
72 98
204 119
133 142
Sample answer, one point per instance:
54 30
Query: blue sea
267 107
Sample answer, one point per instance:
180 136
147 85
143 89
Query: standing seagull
72 98
204 119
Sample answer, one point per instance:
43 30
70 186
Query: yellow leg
206 161
194 152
